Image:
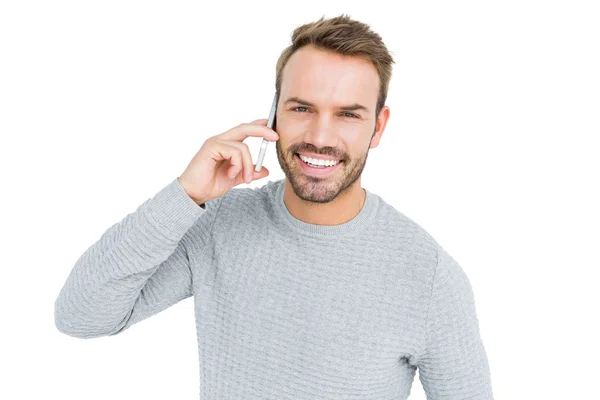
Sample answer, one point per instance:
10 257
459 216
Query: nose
321 132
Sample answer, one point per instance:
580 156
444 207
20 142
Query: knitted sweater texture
285 309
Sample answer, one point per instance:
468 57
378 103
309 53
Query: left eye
345 114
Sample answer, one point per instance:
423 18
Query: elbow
68 323
70 326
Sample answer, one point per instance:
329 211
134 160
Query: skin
329 81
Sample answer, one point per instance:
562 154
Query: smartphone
265 142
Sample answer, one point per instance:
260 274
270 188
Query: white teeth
314 161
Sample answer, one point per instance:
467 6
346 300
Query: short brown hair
346 37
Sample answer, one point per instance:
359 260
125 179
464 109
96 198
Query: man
309 287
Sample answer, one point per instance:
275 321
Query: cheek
294 128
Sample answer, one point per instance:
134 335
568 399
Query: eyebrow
351 107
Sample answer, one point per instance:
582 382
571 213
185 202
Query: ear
382 119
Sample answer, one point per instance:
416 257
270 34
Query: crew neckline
364 216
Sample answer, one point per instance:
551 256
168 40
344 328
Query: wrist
201 203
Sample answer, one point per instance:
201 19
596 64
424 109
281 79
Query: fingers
260 121
246 158
234 156
255 128
238 155
231 148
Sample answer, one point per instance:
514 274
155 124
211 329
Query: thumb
260 174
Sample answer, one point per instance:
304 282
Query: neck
342 209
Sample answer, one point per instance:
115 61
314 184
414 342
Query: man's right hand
224 161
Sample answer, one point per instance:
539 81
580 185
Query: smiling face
327 108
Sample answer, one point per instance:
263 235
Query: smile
316 170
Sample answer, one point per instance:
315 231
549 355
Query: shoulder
244 206
244 199
405 234
418 248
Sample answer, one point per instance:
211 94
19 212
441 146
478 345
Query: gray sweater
285 309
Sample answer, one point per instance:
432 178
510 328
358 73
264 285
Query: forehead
324 77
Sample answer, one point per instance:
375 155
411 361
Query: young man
310 287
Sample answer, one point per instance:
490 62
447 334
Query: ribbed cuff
174 209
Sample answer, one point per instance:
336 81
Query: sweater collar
364 216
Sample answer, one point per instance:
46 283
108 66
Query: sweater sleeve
453 363
137 268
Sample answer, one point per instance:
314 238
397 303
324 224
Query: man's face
329 82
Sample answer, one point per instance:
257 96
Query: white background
492 147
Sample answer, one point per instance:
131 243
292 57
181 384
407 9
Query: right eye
296 108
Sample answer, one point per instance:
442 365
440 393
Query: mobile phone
265 142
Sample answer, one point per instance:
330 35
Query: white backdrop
492 147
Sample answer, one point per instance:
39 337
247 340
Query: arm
453 363
137 268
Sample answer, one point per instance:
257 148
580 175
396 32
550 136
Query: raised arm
140 265
137 268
